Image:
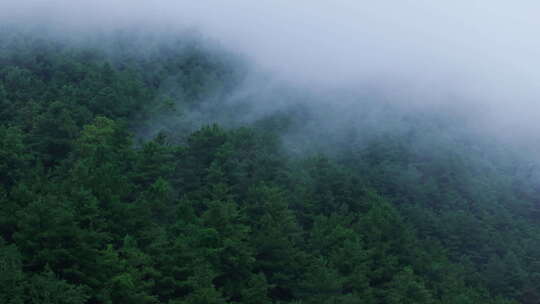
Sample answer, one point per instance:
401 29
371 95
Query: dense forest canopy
144 169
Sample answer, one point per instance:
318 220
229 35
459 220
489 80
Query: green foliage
47 288
12 277
227 215
14 156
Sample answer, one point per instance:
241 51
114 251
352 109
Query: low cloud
477 57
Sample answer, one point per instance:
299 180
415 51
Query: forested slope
108 194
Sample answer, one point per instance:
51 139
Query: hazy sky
482 55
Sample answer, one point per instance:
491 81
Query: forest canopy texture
126 178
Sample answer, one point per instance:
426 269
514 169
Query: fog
478 58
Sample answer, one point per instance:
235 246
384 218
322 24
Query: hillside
125 177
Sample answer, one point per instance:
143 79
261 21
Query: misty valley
142 168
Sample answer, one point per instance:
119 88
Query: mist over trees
141 167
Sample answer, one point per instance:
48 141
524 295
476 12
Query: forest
126 178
